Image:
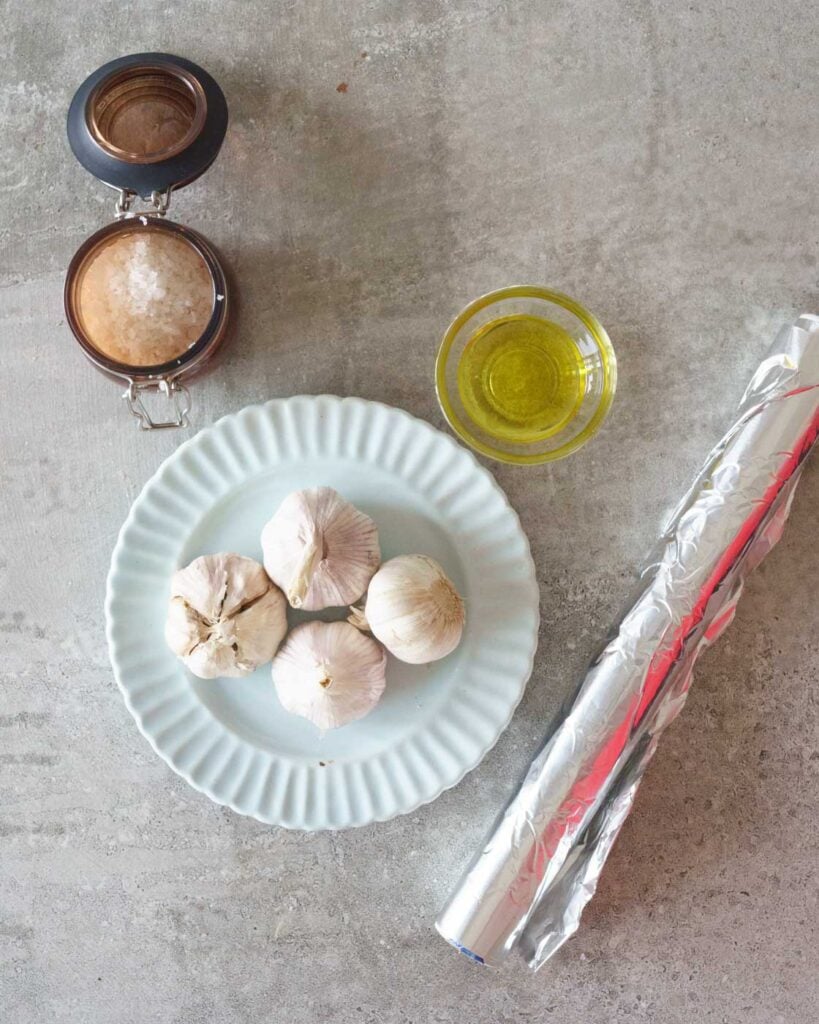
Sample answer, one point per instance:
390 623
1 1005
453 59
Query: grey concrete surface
658 161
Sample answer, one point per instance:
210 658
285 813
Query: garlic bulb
329 673
320 549
413 608
225 617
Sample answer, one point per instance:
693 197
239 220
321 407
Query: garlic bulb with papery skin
413 608
320 549
225 617
329 673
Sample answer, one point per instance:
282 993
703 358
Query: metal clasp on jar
176 393
160 201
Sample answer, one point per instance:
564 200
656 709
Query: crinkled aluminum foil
541 862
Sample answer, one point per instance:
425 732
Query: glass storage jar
148 299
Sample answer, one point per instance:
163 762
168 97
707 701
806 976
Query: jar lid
148 122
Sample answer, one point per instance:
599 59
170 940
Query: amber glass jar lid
148 122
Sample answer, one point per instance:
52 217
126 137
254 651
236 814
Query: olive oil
521 378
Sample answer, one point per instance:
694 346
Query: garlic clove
184 628
216 585
255 626
413 608
225 616
214 660
321 550
329 673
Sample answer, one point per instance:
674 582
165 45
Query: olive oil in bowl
525 375
521 378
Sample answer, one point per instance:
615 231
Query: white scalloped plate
230 738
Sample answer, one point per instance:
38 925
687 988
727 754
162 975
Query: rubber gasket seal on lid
144 178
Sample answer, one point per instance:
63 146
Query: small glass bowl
594 349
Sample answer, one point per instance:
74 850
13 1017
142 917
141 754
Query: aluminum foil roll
539 866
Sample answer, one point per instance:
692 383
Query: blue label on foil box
466 952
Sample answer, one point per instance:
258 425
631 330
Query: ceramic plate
230 738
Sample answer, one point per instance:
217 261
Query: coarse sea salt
145 297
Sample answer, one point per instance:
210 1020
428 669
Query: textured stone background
656 160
